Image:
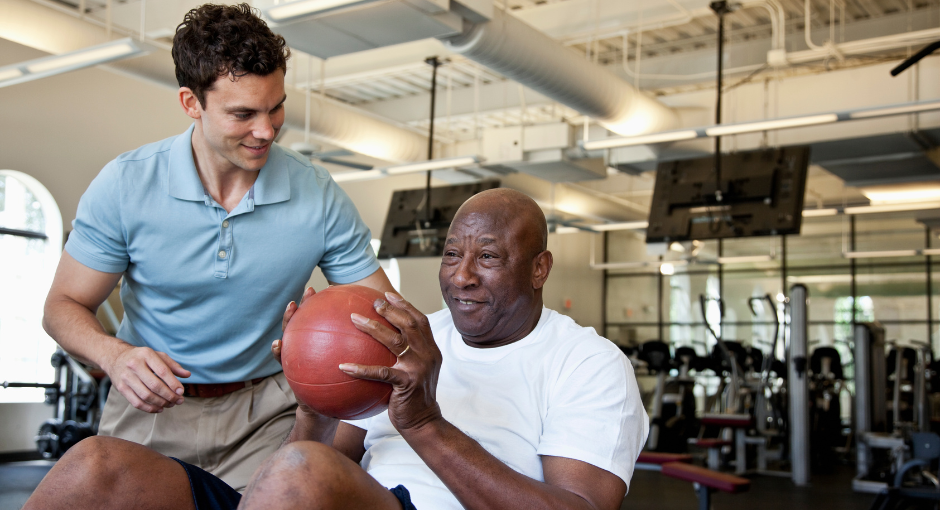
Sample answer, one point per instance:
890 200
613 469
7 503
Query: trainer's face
488 278
240 120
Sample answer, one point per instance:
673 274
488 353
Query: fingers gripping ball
319 337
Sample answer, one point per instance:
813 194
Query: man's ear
542 265
190 103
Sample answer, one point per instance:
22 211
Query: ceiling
665 47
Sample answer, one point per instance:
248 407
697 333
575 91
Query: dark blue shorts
211 493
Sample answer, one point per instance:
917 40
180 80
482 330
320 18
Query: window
27 265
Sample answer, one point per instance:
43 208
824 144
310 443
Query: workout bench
705 481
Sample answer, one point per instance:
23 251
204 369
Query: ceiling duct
509 46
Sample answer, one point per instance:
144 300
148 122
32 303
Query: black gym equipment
78 395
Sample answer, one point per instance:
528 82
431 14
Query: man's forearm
309 427
478 479
77 330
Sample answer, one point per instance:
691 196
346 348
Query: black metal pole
435 63
659 307
720 8
783 264
929 290
853 269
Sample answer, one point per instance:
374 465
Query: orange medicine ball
319 337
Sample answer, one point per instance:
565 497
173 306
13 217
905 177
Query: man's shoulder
145 153
299 165
563 333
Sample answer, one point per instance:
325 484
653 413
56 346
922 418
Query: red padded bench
705 481
740 423
653 461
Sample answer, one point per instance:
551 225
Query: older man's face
487 277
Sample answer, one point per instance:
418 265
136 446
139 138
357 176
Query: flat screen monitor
761 194
409 233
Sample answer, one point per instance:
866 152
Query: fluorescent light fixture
667 269
931 251
882 196
814 213
666 136
291 11
627 225
767 125
637 265
745 258
433 164
875 254
869 209
896 110
365 175
567 230
57 64
10 73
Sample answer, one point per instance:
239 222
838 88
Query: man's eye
487 256
242 116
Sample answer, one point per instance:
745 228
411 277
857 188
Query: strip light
764 125
665 136
627 225
889 253
421 166
433 164
291 11
770 125
745 258
72 61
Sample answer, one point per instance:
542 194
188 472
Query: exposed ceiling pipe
56 30
528 56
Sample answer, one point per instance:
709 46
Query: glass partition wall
870 261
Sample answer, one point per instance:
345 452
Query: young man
213 232
497 402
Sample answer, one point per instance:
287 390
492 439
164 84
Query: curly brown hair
218 40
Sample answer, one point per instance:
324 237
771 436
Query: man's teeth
467 302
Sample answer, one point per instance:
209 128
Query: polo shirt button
225 224
222 254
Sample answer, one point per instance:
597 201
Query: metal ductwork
56 31
511 47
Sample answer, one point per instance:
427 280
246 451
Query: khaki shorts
228 436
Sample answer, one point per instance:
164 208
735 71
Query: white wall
19 424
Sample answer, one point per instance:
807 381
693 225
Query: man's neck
226 183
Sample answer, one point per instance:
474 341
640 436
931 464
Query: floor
649 490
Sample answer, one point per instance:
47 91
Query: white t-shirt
563 391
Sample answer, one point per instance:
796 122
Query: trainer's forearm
478 479
77 330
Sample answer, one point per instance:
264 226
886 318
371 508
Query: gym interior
743 196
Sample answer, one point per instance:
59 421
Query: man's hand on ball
146 378
413 402
291 309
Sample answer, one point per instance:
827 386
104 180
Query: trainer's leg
309 475
102 473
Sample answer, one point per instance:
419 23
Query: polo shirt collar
272 185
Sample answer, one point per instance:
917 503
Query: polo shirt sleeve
596 416
97 239
348 255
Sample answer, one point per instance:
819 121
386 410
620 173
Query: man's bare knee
303 474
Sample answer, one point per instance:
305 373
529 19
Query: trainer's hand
147 378
413 402
291 308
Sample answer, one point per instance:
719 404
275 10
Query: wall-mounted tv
760 194
409 232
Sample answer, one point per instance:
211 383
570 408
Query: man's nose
265 128
465 273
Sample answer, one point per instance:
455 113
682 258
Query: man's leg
102 473
308 475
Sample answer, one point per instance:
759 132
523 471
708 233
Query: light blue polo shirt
205 286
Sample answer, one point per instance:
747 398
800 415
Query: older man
497 402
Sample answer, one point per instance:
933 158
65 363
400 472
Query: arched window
30 247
